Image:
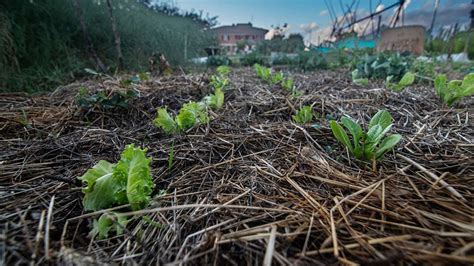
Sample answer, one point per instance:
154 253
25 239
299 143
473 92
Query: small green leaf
387 144
354 129
382 118
104 189
303 115
361 82
109 222
135 167
165 121
407 79
341 135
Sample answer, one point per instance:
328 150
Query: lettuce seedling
165 121
277 78
371 145
359 81
406 81
219 81
128 181
223 71
303 115
191 114
288 84
109 222
454 90
263 72
216 100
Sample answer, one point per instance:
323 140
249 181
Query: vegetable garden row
241 166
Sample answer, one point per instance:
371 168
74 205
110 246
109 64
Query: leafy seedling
406 81
107 223
223 71
165 121
288 84
303 115
359 81
454 90
373 144
263 72
219 82
277 78
216 100
128 181
190 114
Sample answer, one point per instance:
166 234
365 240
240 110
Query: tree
118 46
90 46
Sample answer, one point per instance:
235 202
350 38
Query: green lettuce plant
404 82
277 78
303 115
107 223
370 145
454 90
288 84
218 81
263 72
129 181
359 81
189 115
223 71
216 100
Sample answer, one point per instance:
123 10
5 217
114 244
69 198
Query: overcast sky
303 15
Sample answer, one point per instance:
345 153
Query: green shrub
218 60
381 66
253 58
43 45
310 60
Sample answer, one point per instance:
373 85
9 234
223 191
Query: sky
312 18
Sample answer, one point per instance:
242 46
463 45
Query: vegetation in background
381 66
462 42
454 90
294 43
253 58
218 60
42 45
373 144
104 100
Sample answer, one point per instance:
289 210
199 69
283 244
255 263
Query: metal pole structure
434 17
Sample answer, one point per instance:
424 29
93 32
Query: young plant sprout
454 90
370 145
303 115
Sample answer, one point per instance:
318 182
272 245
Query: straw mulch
250 187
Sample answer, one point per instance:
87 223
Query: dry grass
250 187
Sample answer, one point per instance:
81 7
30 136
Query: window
225 37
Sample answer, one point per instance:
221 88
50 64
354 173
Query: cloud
447 15
379 8
324 12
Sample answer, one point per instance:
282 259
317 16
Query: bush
310 60
253 58
43 45
218 60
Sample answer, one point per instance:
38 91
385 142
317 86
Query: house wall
228 36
